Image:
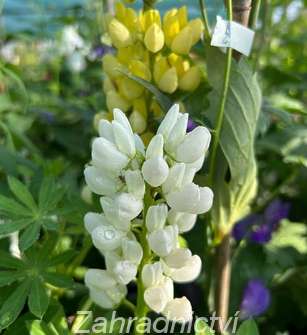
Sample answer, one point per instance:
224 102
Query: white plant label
230 34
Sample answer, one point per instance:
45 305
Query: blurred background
51 94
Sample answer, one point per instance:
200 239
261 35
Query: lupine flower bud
114 99
106 156
163 241
106 237
132 251
155 171
119 34
182 43
190 80
104 290
177 133
184 221
157 297
194 145
100 182
179 310
152 274
122 207
124 139
135 183
154 38
105 130
169 121
174 179
94 220
156 217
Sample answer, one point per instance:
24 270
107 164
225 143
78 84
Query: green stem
129 305
255 13
204 15
141 308
148 4
220 115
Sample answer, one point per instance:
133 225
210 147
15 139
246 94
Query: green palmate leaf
49 194
164 101
235 177
29 236
289 234
10 262
10 206
248 327
8 277
22 193
55 315
9 227
57 279
38 298
14 304
61 258
39 327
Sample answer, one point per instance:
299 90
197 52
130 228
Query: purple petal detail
256 299
243 228
276 211
262 234
191 125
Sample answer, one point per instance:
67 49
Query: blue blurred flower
256 299
258 228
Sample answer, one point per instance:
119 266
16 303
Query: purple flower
261 234
191 125
276 211
258 228
256 299
243 228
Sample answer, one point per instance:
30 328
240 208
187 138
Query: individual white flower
169 121
155 147
163 241
194 145
104 290
101 182
140 147
191 199
132 251
121 118
105 155
156 217
135 183
152 274
184 221
181 266
124 139
107 238
125 271
105 130
94 220
155 171
179 310
177 133
121 209
157 297
174 178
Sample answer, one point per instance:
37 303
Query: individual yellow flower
154 38
120 34
111 66
181 35
190 80
165 75
138 117
115 100
148 18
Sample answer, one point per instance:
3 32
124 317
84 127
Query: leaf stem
255 13
204 15
220 115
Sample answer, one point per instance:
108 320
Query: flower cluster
153 49
148 198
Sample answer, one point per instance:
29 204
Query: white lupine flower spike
148 198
